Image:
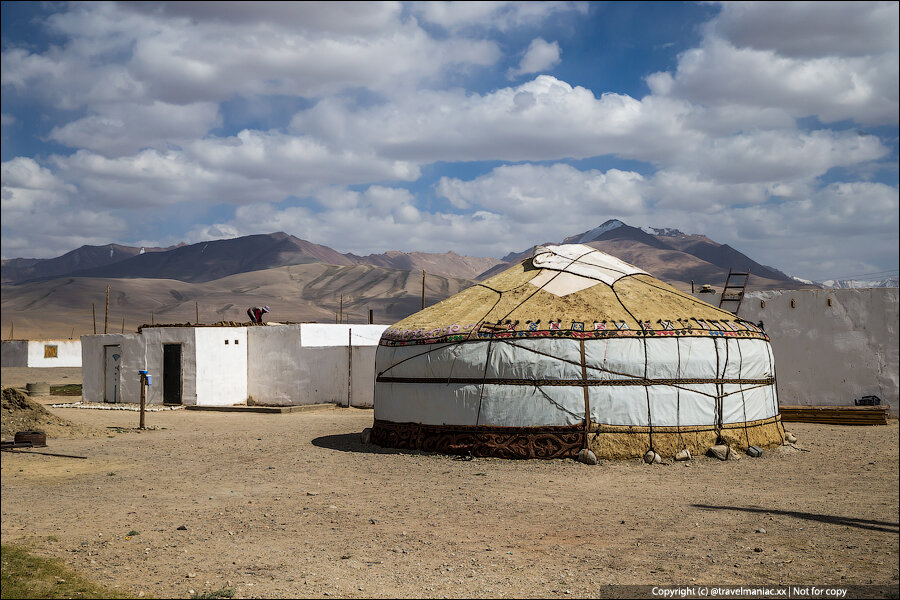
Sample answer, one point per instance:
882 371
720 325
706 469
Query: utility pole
106 318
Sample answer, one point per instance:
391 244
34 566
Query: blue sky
481 128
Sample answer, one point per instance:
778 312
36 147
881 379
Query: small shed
41 353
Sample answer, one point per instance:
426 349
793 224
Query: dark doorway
171 374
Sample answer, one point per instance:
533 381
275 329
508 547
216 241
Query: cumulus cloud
811 29
833 60
124 129
41 218
540 56
182 53
147 93
455 16
563 194
548 119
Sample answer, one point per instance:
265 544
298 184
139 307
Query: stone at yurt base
574 349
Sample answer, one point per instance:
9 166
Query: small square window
50 351
236 342
226 342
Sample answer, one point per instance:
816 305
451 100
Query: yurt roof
569 290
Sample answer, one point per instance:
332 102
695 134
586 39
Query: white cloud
124 129
455 16
300 162
548 119
717 139
831 60
559 193
41 217
183 54
540 56
811 29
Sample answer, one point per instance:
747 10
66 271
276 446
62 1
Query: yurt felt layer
574 338
538 382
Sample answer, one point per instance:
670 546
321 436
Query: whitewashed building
274 364
832 346
41 353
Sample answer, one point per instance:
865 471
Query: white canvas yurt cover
573 349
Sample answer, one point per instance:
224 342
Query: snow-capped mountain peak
665 231
598 231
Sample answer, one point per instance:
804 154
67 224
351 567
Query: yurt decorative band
735 329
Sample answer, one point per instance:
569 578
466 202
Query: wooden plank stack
835 415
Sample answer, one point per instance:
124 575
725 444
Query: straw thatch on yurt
574 349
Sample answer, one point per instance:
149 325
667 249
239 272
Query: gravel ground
294 505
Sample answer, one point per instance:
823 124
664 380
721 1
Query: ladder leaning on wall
737 290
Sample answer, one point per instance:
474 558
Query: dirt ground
294 505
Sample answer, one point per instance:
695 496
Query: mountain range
304 281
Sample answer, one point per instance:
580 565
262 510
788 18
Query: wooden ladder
737 293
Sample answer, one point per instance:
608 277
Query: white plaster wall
830 355
14 353
363 376
326 334
68 353
154 338
275 375
309 363
221 367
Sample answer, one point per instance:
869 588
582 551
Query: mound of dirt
21 413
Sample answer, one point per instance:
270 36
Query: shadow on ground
350 442
886 526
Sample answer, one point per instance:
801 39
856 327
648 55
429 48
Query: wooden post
72 337
106 318
692 286
143 398
423 288
123 324
371 316
151 318
94 314
349 365
197 309
341 319
11 325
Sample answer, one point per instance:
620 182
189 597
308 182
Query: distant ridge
85 257
303 281
208 261
667 253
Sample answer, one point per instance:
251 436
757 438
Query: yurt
574 349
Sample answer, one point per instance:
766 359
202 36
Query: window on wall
50 351
236 342
226 342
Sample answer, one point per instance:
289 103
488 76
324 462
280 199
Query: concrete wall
310 364
93 367
221 365
830 355
31 353
153 339
14 353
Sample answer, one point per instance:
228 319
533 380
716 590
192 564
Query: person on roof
256 313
